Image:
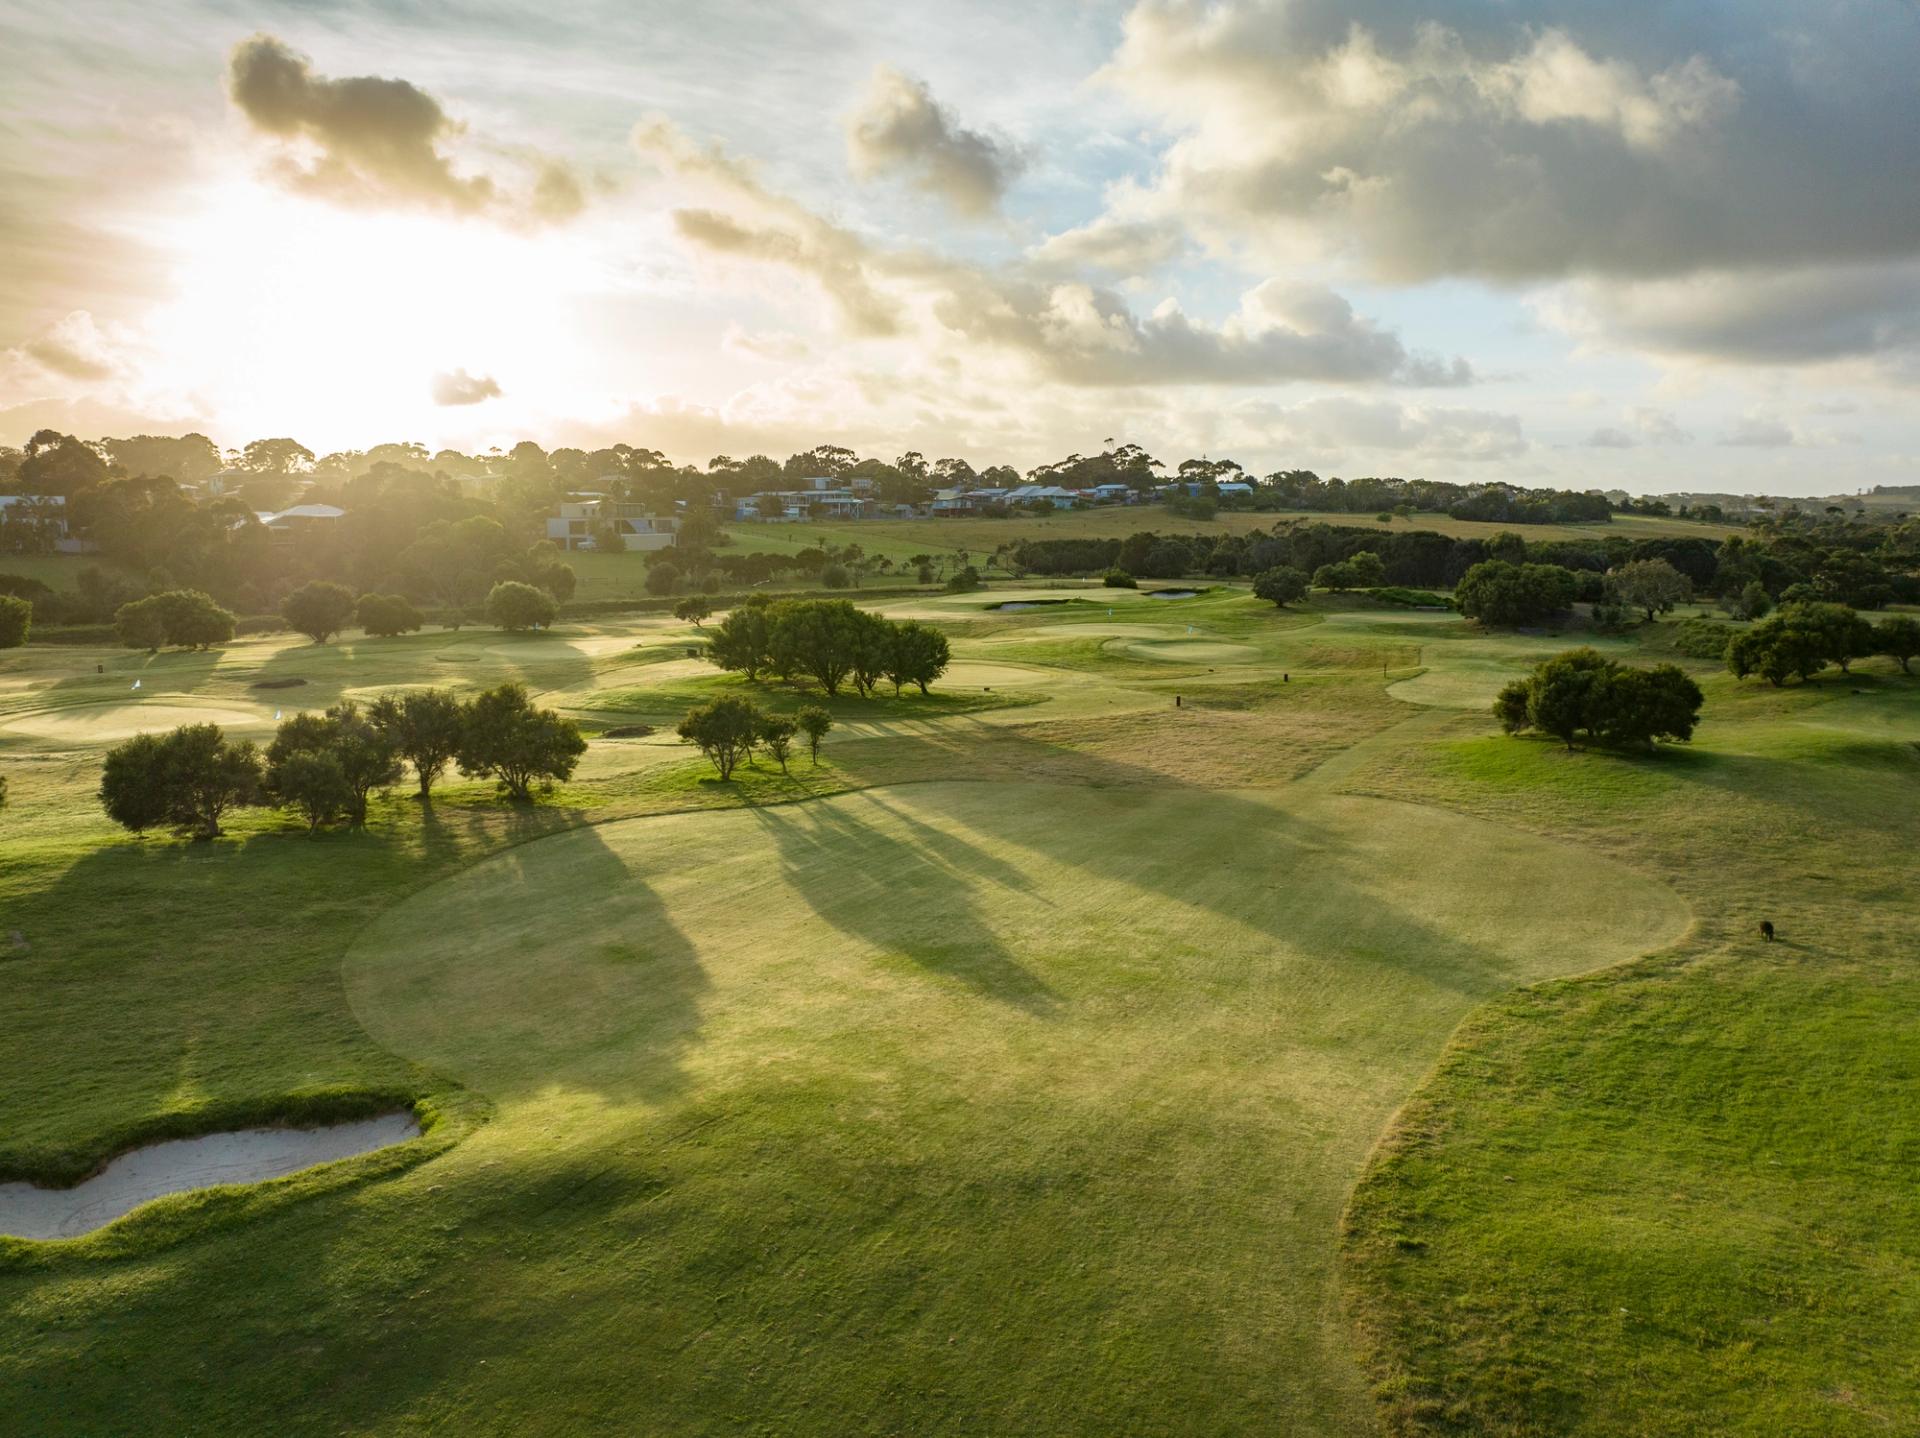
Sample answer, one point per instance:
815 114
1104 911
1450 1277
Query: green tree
964 580
386 615
1498 593
424 726
816 638
743 642
1366 570
16 621
662 578
916 655
1652 586
775 734
725 731
186 780
1336 577
1583 692
192 619
1119 579
815 723
141 623
869 650
1899 639
692 610
319 609
835 576
311 781
515 606
1280 585
509 739
362 749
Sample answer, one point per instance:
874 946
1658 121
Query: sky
1647 246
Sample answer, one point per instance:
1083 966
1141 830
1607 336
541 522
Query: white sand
248 1155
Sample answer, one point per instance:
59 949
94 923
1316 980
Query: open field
1301 1058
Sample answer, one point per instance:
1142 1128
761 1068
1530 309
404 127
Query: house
1111 494
46 515
798 504
572 524
1034 493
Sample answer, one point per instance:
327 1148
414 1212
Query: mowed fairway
965 1107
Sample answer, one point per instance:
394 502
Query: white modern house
1034 493
572 524
836 502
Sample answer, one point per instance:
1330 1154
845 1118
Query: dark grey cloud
900 130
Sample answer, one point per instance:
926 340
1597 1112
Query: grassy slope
786 1147
1679 1196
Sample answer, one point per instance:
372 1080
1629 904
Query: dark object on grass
1766 930
276 684
1286 679
1176 701
627 731
693 653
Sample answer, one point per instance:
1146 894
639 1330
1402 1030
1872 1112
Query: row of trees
327 766
829 641
1582 693
1800 639
730 728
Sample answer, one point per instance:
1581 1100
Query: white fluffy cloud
455 387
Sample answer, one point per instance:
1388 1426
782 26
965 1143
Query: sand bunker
1186 651
110 723
249 1155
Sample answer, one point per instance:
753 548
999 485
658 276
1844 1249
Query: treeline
829 641
326 766
1800 639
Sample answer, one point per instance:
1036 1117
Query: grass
1012 1070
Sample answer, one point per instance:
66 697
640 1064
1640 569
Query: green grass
1011 1070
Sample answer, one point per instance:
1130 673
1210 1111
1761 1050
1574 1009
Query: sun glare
286 310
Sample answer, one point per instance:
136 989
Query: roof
305 511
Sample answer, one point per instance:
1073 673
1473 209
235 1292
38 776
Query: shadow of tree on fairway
925 904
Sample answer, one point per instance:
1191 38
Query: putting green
955 1081
1186 651
110 723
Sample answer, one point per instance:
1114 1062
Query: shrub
1119 579
663 578
515 606
1496 592
1410 598
1583 692
186 780
1280 585
319 610
386 615
1702 638
506 737
965 581
834 576
16 621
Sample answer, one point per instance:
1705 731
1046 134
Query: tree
1366 570
424 726
186 779
1496 592
662 578
1583 692
386 615
1652 586
16 621
319 610
815 638
964 580
815 723
361 749
1119 579
1899 639
725 729
775 733
744 640
1337 577
192 619
1800 639
692 610
515 606
916 655
1280 585
141 624
506 737
311 781
835 576
869 650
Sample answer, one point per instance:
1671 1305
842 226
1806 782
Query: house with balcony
576 518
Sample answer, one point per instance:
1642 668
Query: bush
1280 585
1496 592
1583 692
506 737
1411 598
835 576
515 606
16 621
185 617
318 610
386 615
1702 638
965 581
1119 579
186 780
663 578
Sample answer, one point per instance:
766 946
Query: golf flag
136 684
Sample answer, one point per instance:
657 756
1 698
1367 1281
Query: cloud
1339 423
1071 331
1562 139
1759 432
900 130
372 141
1122 247
1645 426
74 348
451 387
